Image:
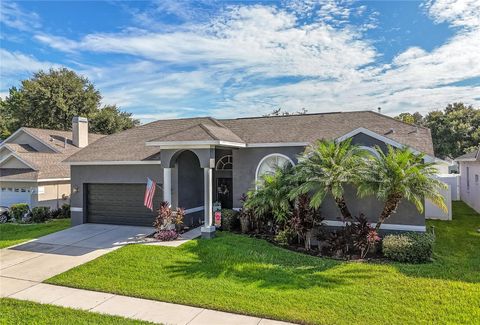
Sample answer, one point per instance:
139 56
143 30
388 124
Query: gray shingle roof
129 145
46 165
475 154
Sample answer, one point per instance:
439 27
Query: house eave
110 163
194 144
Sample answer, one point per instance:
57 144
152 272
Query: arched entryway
188 183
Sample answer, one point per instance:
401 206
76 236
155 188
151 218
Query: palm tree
272 194
326 167
396 175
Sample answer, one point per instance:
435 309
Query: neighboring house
31 168
470 178
197 161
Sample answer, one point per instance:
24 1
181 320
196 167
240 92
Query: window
476 178
271 162
41 190
468 178
225 163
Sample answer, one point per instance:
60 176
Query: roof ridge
205 128
215 121
394 119
295 115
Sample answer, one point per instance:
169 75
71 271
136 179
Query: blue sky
178 58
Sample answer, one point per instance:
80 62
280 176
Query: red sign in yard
218 218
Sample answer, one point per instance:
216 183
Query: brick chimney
80 131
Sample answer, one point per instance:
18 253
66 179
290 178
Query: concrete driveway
56 253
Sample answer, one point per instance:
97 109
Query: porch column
208 230
167 185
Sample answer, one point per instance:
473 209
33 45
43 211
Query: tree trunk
342 205
390 207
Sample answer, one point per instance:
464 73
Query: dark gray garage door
120 204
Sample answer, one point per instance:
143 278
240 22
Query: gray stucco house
198 161
469 166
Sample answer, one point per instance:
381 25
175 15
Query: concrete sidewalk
111 304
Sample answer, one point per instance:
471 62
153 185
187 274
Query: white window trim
219 160
372 150
268 156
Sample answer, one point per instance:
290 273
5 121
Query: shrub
3 218
17 211
230 220
245 215
56 213
409 247
285 237
304 218
40 214
65 211
166 235
168 219
363 235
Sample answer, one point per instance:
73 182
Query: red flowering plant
168 222
364 235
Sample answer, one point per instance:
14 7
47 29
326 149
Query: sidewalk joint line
196 315
100 303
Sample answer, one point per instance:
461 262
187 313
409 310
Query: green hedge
409 247
18 210
230 220
41 214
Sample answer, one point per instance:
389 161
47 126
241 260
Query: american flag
149 193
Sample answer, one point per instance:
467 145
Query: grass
12 234
244 275
24 312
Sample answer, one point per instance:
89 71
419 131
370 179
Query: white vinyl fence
449 194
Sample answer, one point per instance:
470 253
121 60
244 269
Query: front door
224 192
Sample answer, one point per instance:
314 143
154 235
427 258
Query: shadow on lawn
457 249
261 264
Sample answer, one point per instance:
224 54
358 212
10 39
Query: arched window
370 149
225 163
269 163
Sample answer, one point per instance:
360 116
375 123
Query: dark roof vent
390 131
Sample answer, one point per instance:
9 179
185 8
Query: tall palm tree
396 175
326 167
271 194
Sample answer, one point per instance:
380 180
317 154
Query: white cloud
13 62
247 60
13 16
460 13
261 39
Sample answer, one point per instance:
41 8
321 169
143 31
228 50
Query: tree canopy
51 99
455 130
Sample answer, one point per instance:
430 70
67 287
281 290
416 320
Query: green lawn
11 234
24 312
244 275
